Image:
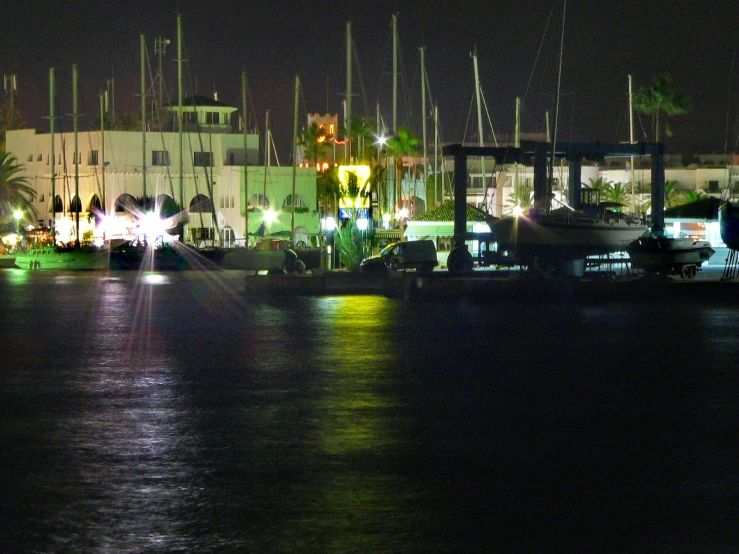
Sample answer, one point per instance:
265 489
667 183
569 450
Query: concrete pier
499 287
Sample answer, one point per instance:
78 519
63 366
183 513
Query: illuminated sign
363 174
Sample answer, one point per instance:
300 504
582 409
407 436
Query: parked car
413 254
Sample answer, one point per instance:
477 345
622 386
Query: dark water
172 413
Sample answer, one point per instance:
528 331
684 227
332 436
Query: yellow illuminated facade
363 174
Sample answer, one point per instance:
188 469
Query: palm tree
362 131
404 143
329 188
523 198
601 184
663 98
672 195
617 193
15 189
690 196
314 140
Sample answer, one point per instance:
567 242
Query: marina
247 307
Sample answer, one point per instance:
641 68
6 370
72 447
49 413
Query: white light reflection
155 279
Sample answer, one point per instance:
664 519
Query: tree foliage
314 141
16 193
663 98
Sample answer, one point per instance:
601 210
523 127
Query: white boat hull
557 238
52 259
668 254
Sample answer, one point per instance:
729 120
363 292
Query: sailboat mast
436 156
556 106
102 147
295 158
348 111
76 158
246 169
179 115
266 160
517 144
631 140
52 161
423 111
480 130
143 118
395 73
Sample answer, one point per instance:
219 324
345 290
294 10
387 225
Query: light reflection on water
189 417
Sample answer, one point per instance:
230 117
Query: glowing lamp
270 216
386 221
329 224
362 223
517 211
151 226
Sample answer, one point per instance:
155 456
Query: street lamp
18 215
329 225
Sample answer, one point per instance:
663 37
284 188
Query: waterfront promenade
490 285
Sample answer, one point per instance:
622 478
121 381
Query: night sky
517 44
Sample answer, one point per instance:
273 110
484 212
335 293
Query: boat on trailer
658 252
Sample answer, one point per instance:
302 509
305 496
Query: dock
499 286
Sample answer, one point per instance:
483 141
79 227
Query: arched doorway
126 203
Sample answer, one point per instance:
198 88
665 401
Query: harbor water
173 412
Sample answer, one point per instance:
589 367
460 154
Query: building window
160 157
476 182
92 159
202 159
30 157
288 203
228 237
213 118
40 158
201 234
190 117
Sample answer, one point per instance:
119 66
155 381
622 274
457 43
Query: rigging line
487 112
195 181
427 84
383 64
467 123
355 56
406 93
728 98
538 54
157 115
208 182
274 148
205 168
66 173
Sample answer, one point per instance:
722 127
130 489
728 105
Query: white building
111 178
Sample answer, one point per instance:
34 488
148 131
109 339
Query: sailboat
549 238
70 256
562 236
